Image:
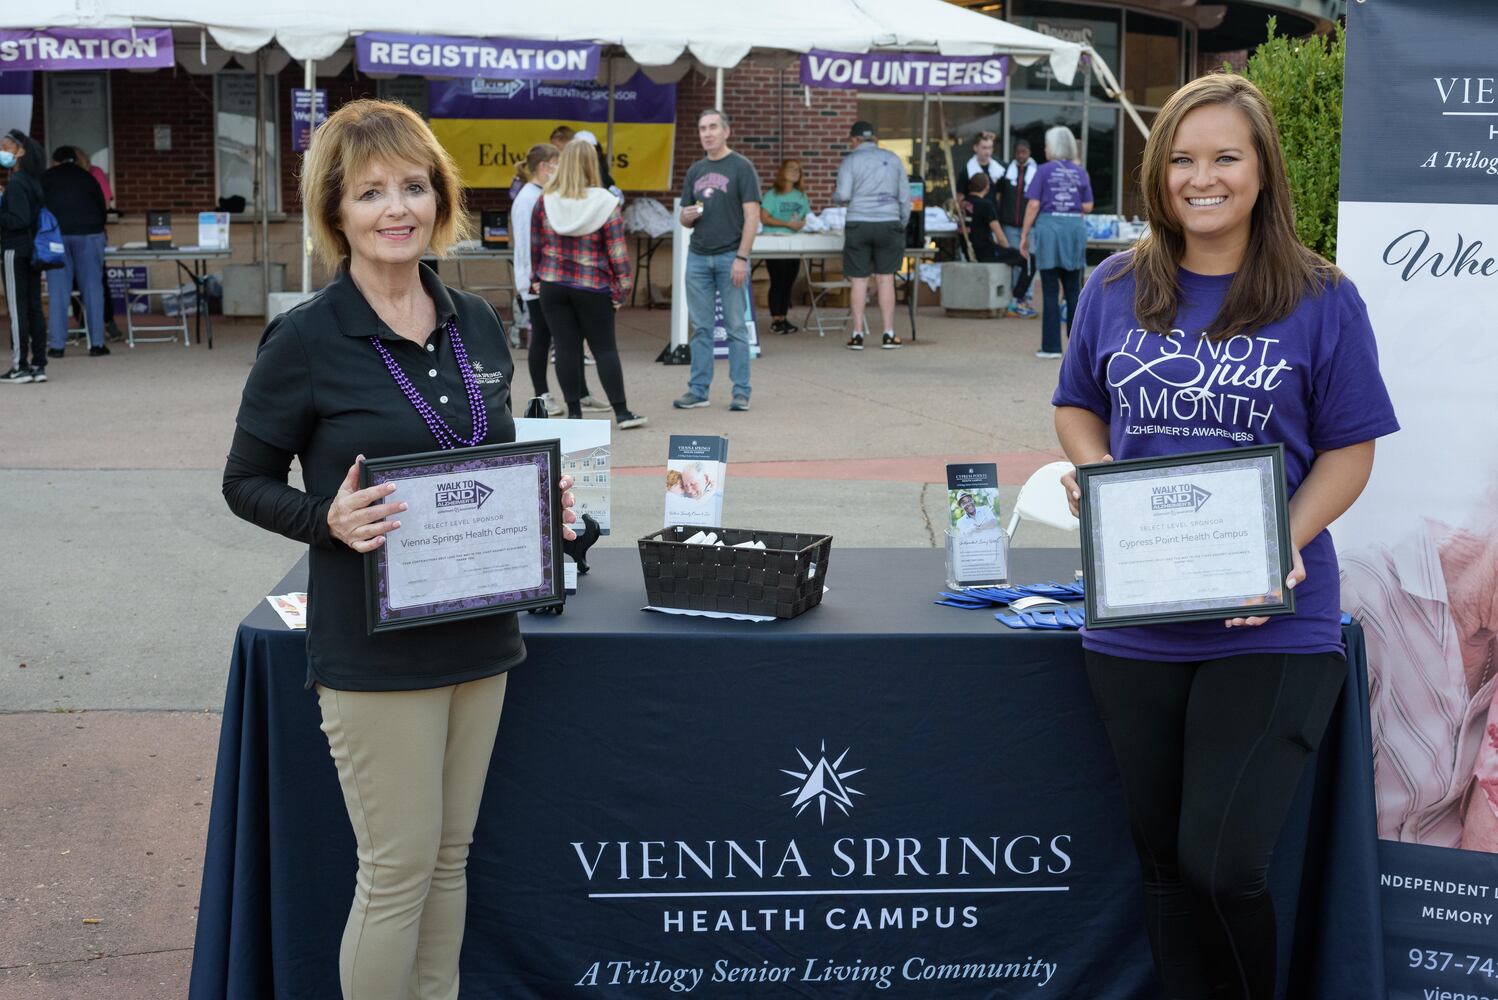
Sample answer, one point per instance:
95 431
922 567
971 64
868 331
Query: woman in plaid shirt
580 269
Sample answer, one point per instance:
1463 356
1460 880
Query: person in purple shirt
1219 330
1054 234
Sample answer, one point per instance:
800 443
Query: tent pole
920 158
310 82
257 186
941 117
609 134
718 89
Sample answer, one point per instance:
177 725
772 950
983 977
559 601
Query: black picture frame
1277 600
464 463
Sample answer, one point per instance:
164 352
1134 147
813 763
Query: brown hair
362 132
1277 269
577 172
562 134
782 183
541 152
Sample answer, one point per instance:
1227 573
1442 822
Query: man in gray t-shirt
720 204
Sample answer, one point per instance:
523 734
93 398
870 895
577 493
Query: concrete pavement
124 576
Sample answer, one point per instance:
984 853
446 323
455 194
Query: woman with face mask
20 206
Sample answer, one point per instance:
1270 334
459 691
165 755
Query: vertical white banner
1418 232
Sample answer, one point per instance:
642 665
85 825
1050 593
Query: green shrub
1302 78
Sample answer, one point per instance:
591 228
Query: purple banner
86 48
637 100
905 72
302 122
487 58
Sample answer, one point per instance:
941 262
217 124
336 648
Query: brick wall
770 122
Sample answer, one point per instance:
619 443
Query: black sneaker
98 352
39 374
55 352
113 332
855 342
891 342
789 327
628 420
17 376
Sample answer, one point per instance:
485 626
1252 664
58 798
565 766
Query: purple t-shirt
1309 382
1060 186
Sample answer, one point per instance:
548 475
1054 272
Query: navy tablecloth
640 826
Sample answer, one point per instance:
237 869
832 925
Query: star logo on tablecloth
822 781
478 366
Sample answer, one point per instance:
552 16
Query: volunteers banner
904 72
86 48
1418 232
487 58
488 125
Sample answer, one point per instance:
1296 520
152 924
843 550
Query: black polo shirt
320 390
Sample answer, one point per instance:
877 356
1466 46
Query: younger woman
1212 722
783 211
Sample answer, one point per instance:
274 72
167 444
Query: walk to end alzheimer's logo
1197 387
749 886
461 494
1178 498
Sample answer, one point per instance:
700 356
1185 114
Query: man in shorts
872 183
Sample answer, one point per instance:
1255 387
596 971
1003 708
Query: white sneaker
553 408
1048 355
589 403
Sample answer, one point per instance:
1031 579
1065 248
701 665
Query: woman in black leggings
580 270
1265 342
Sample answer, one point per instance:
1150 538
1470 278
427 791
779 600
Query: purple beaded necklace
445 435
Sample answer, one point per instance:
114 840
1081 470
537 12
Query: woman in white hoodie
580 270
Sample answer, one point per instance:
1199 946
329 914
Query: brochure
976 543
586 447
291 607
696 467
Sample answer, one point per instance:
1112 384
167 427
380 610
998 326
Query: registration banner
905 72
488 58
86 48
488 125
1418 232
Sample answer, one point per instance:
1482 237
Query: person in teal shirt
783 211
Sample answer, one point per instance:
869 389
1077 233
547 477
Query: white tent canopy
650 32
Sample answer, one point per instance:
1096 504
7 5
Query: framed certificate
481 535
1186 538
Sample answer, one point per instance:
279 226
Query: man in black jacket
72 194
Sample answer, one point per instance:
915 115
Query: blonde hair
1277 269
358 134
577 172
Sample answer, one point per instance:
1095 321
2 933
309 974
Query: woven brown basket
783 579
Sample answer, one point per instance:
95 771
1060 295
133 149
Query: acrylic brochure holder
977 558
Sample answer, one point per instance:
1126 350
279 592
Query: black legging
574 315
1211 753
782 281
538 354
1050 315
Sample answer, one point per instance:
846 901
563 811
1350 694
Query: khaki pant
412 766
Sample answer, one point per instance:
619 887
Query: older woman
385 360
1060 194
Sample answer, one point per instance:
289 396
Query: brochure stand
977 559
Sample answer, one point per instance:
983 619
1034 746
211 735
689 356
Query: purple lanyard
445 435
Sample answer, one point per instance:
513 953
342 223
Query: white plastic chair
1043 499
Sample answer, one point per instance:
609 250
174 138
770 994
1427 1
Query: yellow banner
487 150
